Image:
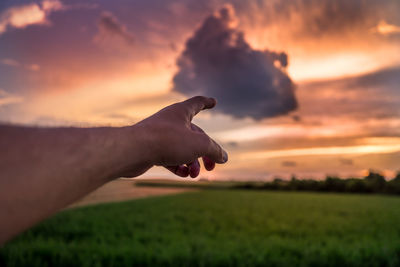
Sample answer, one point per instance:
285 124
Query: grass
218 228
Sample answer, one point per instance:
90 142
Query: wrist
132 151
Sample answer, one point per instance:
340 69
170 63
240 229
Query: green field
218 228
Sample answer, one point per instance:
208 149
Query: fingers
214 152
194 168
195 104
208 147
208 163
181 170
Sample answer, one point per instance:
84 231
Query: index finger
195 104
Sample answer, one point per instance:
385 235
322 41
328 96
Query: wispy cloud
10 62
111 30
14 63
385 28
7 98
30 14
348 162
289 163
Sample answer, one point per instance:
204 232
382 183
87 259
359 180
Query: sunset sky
306 87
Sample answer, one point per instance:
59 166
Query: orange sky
112 63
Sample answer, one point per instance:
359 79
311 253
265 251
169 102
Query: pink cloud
30 14
14 63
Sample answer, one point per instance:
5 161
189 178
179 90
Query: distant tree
293 184
278 184
375 182
393 186
334 184
397 177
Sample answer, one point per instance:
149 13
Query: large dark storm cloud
218 62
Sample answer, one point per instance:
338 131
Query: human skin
42 170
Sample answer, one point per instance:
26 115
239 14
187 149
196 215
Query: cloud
32 67
217 61
388 78
371 96
7 98
385 28
233 144
52 5
30 14
289 164
348 162
110 29
14 63
10 62
319 18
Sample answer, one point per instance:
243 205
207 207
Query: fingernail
224 156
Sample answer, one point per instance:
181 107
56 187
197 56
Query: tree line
374 182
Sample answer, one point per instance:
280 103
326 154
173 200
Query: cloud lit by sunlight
25 15
288 130
344 64
385 28
316 151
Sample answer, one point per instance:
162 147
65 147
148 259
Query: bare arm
44 169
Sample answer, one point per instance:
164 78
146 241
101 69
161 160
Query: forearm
45 169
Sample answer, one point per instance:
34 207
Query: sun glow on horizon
315 151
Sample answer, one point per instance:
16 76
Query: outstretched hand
65 164
176 143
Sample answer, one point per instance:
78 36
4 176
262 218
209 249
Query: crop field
218 228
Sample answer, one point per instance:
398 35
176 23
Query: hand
176 143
